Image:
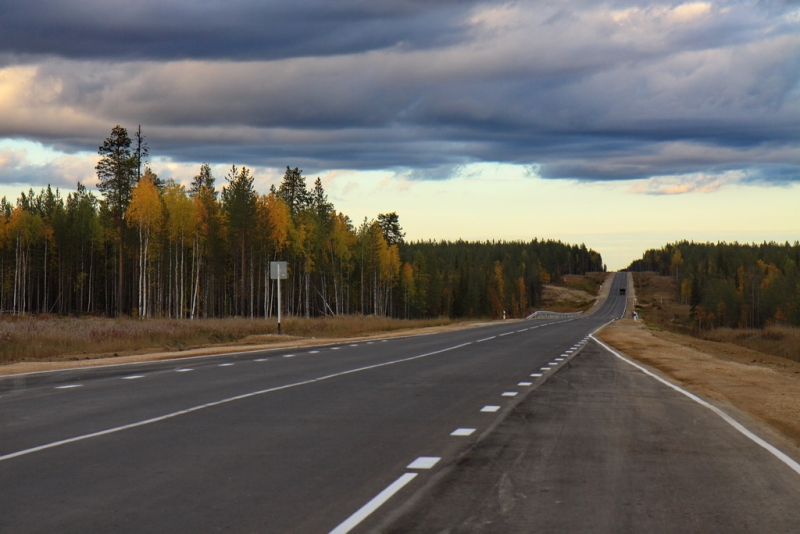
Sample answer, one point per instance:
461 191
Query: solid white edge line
223 401
362 513
725 417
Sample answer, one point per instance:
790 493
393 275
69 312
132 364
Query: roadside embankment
763 386
31 345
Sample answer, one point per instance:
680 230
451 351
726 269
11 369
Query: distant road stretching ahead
491 429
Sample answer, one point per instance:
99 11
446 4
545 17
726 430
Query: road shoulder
602 447
764 389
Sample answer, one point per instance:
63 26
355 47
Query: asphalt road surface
518 426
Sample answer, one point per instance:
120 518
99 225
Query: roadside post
277 271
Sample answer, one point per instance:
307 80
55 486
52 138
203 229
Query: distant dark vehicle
622 291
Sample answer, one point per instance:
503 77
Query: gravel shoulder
764 387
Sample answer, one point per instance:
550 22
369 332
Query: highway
460 430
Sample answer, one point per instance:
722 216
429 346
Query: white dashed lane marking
485 339
335 348
183 370
288 355
544 369
509 394
536 375
490 409
132 377
260 360
525 384
362 513
506 334
311 352
424 462
462 432
70 386
225 364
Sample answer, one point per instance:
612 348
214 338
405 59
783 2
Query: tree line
732 284
154 248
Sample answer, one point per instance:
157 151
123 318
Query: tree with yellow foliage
145 213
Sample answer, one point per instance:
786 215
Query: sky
622 125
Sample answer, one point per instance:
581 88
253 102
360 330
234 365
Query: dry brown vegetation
589 282
572 293
781 341
658 304
59 339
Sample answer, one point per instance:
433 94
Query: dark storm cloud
233 29
575 89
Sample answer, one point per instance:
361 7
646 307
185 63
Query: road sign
277 270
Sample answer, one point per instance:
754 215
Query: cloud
687 183
233 29
625 90
16 168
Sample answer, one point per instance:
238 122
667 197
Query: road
396 435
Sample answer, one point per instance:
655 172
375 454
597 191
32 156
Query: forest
732 284
146 247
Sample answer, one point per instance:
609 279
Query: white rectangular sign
277 270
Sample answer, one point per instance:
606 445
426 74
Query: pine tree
239 205
390 226
204 178
140 153
293 191
115 170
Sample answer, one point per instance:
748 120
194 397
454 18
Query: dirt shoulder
251 343
762 386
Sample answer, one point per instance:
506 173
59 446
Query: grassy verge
65 338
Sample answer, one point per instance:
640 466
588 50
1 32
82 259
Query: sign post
278 271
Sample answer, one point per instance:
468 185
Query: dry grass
563 299
657 301
572 292
589 282
781 341
59 339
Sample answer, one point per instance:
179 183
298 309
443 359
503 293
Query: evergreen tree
293 191
116 171
239 205
390 226
140 153
204 178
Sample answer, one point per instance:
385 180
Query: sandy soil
251 343
763 386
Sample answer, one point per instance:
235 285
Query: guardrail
541 314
